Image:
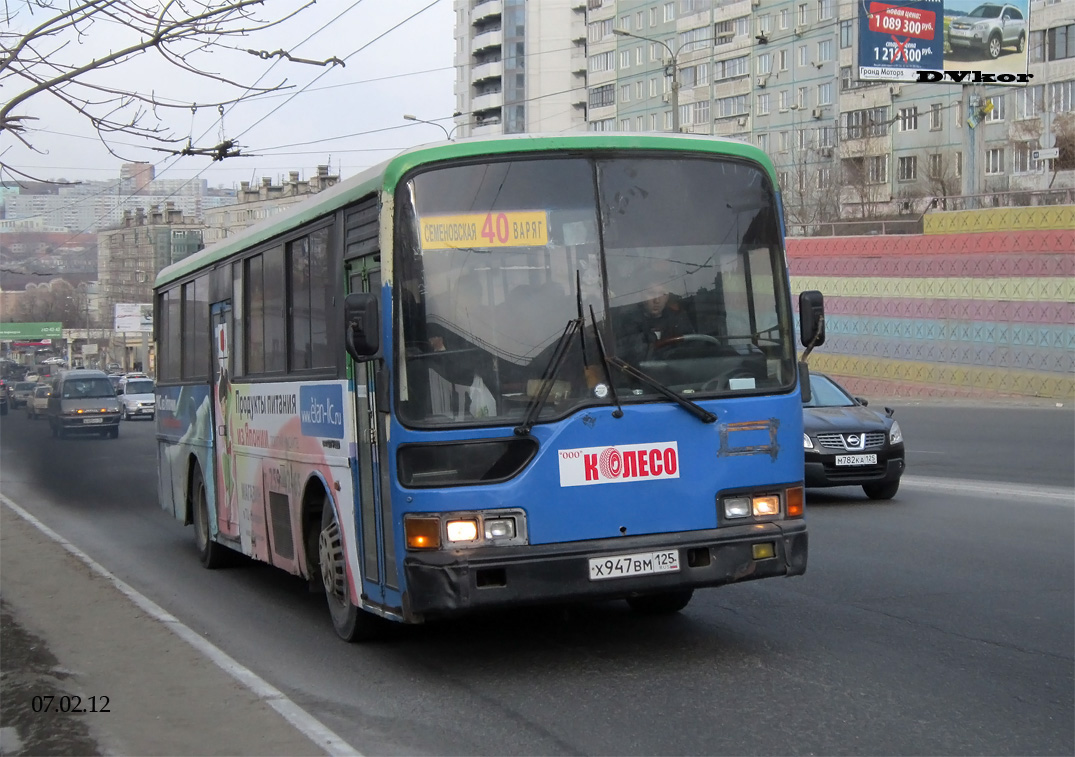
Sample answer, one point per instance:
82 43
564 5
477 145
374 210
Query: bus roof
384 177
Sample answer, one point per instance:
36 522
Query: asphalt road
938 623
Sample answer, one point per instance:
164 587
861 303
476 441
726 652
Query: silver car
137 398
990 28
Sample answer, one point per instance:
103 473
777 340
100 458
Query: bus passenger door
224 475
376 540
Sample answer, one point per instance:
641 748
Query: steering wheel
681 340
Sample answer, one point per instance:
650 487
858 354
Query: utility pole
675 71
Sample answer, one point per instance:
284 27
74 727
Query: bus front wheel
212 555
661 604
351 623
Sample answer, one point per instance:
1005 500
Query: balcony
487 102
485 10
494 38
492 70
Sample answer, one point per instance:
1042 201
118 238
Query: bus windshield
678 258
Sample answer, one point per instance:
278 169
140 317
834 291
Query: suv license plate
93 420
856 459
642 563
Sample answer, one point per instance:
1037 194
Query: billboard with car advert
950 41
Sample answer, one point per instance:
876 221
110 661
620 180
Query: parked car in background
39 402
83 401
3 396
21 392
136 396
850 444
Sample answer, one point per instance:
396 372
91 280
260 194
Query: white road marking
1054 495
306 723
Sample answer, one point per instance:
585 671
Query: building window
804 56
640 123
667 120
701 112
1060 42
640 55
625 93
640 89
782 60
765 63
997 113
909 119
907 168
824 93
804 14
870 122
935 165
802 98
653 122
625 59
826 136
727 69
877 169
653 22
764 24
785 141
639 20
742 26
601 62
1023 161
935 116
724 32
763 142
784 15
625 23
824 50
1028 101
625 124
824 10
801 140
602 96
824 178
653 87
782 179
669 12
845 34
731 106
994 161
763 105
1062 96
785 100
959 165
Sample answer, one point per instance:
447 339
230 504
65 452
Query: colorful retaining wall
984 314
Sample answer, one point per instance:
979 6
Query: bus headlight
499 528
807 444
453 530
461 530
736 507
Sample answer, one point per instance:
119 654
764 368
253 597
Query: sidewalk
69 632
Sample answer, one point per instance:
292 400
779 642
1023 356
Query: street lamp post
675 71
447 134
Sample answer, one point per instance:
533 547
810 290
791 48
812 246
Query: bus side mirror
362 311
811 319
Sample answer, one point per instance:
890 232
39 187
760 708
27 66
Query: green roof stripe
385 176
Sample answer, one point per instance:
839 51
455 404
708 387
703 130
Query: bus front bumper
451 582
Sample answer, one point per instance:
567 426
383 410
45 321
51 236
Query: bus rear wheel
351 623
212 555
666 603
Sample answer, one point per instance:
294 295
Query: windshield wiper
693 408
547 377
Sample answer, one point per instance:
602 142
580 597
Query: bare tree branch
182 32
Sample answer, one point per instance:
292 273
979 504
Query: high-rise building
781 74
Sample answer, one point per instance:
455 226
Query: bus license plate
856 459
621 566
93 420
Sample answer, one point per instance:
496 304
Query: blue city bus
496 372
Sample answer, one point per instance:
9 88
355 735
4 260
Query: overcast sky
350 117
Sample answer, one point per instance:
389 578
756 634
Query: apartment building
781 74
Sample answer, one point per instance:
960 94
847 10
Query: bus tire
211 554
350 622
666 603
